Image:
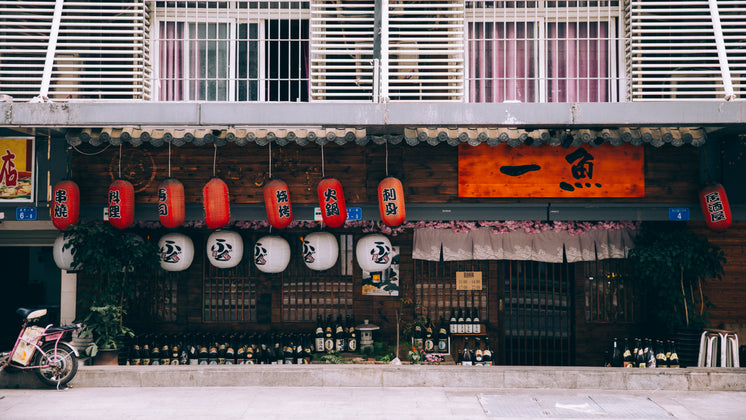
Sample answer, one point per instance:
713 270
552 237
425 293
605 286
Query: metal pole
722 55
51 50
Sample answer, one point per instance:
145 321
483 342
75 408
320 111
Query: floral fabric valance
546 246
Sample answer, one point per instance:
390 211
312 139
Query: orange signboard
551 171
16 169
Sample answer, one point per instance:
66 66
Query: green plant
103 324
671 264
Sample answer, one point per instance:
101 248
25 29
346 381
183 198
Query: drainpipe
722 55
383 32
51 50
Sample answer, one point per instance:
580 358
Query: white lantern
373 253
177 251
62 257
320 250
271 254
224 248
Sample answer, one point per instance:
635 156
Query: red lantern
715 207
171 203
332 202
277 204
65 204
217 203
391 201
121 204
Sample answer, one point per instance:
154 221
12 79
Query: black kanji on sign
114 196
282 196
283 211
60 210
60 196
332 209
330 194
391 209
162 209
388 194
162 194
712 197
115 212
583 168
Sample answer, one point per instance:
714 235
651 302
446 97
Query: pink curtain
501 62
577 62
171 51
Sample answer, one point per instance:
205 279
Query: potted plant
113 259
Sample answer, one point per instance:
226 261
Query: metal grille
229 294
157 297
243 50
537 314
435 288
342 56
677 51
307 293
72 50
543 51
609 295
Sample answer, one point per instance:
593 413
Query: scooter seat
31 313
63 328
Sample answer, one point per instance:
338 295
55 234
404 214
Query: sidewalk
384 403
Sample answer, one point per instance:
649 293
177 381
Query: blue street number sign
679 214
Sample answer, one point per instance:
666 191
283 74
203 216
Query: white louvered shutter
342 62
672 52
425 50
102 50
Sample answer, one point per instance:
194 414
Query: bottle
319 335
443 337
627 355
340 338
616 355
307 350
660 355
478 355
640 361
249 354
452 323
460 322
468 326
351 334
288 351
299 350
650 353
417 340
668 353
203 354
476 322
673 361
487 354
466 359
328 336
429 339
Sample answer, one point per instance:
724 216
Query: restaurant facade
527 167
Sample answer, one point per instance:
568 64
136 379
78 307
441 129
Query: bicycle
46 350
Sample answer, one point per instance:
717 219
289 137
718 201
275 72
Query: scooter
46 350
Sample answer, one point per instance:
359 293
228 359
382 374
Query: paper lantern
320 250
373 253
121 204
715 207
224 249
177 251
391 201
332 202
62 257
277 203
171 203
65 204
271 254
217 203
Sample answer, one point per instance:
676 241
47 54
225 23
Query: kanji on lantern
171 203
332 202
121 204
391 201
277 204
715 207
65 204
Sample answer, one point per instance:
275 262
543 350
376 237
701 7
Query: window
609 294
542 51
229 294
435 288
249 51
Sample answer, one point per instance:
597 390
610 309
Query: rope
120 160
91 154
387 157
169 159
270 161
214 159
322 160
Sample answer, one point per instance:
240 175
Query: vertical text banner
549 171
16 169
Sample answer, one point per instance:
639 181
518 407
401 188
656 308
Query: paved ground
328 403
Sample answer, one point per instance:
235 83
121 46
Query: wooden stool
728 342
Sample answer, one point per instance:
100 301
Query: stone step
322 375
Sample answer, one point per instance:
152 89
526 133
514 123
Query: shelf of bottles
642 353
464 324
271 347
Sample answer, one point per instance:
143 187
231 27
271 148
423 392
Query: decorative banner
332 202
320 251
385 283
121 204
171 203
16 169
224 248
177 251
715 207
545 171
65 204
391 201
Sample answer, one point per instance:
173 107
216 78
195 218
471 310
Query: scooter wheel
57 369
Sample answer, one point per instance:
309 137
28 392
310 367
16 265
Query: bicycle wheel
56 370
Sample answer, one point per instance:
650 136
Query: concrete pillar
68 297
